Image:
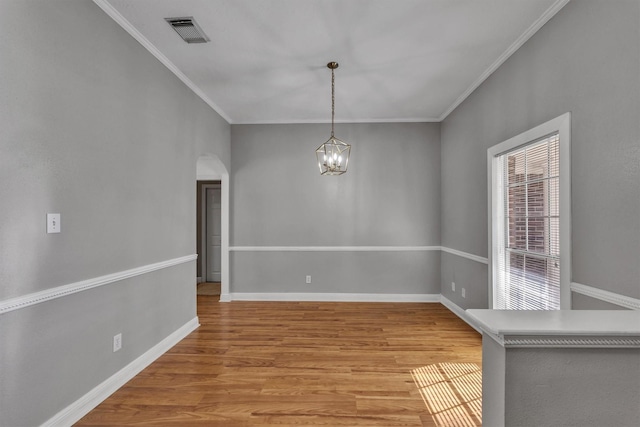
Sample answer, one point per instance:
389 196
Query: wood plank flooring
308 364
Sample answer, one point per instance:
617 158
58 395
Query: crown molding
129 28
339 121
524 37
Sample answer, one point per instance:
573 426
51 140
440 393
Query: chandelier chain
333 99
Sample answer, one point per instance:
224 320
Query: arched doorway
209 167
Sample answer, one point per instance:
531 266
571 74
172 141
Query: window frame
562 126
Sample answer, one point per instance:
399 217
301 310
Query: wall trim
607 296
467 255
128 27
569 342
332 248
28 300
98 394
480 259
459 311
539 23
124 23
331 297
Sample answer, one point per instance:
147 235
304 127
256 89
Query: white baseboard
93 398
459 311
327 297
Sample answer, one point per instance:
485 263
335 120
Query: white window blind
527 237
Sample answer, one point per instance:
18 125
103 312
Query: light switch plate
53 223
117 342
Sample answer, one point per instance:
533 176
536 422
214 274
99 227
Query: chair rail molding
607 296
331 297
332 248
24 301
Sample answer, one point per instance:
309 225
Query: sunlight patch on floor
452 393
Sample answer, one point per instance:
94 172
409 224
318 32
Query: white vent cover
188 29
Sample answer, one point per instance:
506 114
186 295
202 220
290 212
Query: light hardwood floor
309 364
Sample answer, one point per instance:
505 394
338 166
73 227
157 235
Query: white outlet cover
308 279
463 293
453 286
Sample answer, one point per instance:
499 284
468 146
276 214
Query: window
529 225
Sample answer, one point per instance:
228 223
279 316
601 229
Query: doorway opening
212 229
209 239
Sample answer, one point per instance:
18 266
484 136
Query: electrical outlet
453 286
308 279
117 342
463 293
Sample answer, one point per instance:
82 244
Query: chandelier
333 155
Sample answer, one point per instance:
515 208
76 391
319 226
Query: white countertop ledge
613 323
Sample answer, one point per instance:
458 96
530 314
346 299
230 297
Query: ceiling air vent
188 29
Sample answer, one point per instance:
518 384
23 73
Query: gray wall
586 387
91 126
585 60
559 386
389 197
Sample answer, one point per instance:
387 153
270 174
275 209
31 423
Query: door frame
209 167
203 227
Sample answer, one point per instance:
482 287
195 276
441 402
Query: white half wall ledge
560 328
28 300
97 395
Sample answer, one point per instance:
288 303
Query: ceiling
400 61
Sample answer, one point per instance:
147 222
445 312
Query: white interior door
214 241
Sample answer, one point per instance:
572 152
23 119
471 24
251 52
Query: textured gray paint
585 60
572 387
559 387
337 272
92 127
389 197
